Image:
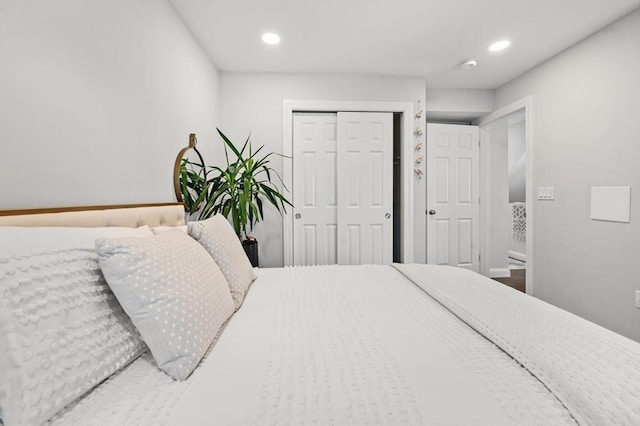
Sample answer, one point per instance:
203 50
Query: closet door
314 189
365 188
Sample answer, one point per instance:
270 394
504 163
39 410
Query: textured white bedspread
594 372
341 345
361 345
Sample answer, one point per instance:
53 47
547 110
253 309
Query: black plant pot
251 248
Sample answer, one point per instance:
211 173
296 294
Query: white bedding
333 345
594 372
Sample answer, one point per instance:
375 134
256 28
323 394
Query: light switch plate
545 193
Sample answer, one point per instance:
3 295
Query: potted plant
237 190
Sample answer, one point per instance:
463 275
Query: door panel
365 188
332 244
353 179
376 178
353 245
314 189
464 242
453 194
309 178
441 238
309 236
441 177
377 244
331 161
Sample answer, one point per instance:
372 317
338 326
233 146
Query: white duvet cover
333 345
594 372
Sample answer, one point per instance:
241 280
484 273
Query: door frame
525 104
289 107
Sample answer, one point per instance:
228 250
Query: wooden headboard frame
128 215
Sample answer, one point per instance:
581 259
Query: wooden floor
516 281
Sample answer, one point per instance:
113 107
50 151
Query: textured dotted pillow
174 293
218 237
62 331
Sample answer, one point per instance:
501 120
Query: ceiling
420 38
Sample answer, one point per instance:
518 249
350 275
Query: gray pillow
174 293
218 237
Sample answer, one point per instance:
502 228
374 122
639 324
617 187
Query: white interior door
453 236
365 188
314 189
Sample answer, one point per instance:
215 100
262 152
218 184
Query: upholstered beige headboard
133 216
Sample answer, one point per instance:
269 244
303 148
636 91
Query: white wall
586 105
458 105
517 165
252 102
96 99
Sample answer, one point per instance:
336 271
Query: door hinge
478 258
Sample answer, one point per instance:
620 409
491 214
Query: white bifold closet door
342 188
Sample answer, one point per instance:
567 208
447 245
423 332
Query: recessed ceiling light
271 38
499 45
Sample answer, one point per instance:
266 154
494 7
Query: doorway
406 112
507 200
507 192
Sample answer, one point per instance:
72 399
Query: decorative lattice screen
519 214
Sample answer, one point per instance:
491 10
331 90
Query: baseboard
518 256
499 273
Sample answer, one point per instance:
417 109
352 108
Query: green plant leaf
237 190
229 144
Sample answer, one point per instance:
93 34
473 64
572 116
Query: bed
372 344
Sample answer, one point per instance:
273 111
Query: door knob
432 212
298 216
387 216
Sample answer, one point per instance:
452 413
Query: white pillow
61 329
174 293
218 237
